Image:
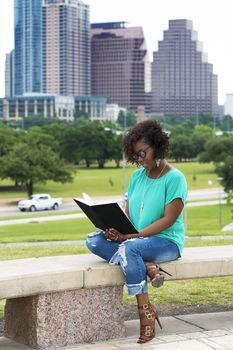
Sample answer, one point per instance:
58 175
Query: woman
156 197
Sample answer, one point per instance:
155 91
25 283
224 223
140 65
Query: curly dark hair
150 132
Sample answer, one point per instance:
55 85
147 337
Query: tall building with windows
66 47
228 106
9 74
28 46
120 67
183 82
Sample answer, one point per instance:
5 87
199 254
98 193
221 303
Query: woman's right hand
112 236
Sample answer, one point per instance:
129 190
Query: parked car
39 202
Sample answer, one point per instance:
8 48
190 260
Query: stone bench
59 301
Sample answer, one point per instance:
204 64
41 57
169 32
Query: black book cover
107 215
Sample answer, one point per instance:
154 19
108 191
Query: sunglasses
141 154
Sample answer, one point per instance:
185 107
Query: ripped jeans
131 254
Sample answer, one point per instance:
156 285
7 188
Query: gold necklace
144 189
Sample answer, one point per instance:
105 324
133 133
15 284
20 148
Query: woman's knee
93 240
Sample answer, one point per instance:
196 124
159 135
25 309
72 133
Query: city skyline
209 19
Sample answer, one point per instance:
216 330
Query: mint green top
156 194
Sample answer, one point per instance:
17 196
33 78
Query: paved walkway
81 242
39 219
228 227
184 332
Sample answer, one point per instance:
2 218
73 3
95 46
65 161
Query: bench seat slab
66 318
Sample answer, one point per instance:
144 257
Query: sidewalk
206 331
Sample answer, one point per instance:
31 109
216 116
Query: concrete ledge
67 300
27 277
200 262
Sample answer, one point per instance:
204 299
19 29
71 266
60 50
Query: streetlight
219 202
124 160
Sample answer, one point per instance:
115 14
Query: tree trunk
101 163
117 161
29 187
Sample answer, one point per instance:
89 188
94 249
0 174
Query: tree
217 149
127 119
178 130
117 149
181 147
225 170
173 120
95 143
202 133
226 123
31 161
59 132
7 139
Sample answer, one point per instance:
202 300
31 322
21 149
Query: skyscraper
9 74
66 47
183 82
120 67
28 46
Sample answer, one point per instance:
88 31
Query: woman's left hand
114 235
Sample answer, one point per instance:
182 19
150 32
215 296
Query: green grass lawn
201 221
69 229
11 253
2 303
23 252
108 181
204 221
202 291
38 214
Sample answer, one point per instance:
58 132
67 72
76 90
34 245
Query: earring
157 161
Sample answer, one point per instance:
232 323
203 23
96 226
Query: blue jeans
131 254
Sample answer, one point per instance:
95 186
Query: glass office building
66 47
9 74
120 67
28 46
183 82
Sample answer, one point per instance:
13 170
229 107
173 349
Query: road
38 220
67 206
196 195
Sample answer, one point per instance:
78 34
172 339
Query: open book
107 215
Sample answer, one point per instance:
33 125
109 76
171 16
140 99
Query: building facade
52 106
9 74
183 82
228 106
28 46
66 47
120 67
112 112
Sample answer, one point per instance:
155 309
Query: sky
211 19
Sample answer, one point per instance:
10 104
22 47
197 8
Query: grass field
201 221
19 252
202 291
69 229
109 181
205 220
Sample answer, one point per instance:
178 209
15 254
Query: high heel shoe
147 314
154 272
